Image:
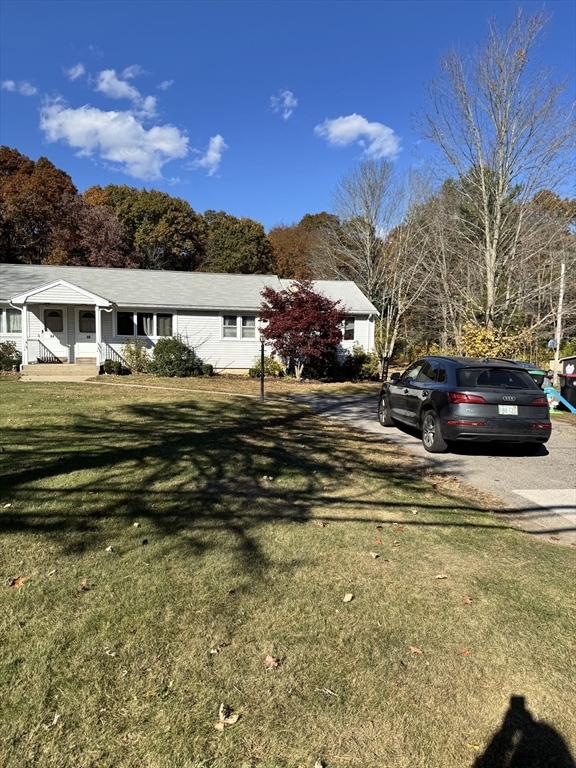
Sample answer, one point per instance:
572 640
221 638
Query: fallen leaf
321 523
52 572
136 525
379 527
555 538
395 543
318 764
348 597
110 653
413 649
400 527
218 648
467 601
374 555
271 661
18 581
84 586
414 511
226 716
441 576
465 652
109 549
7 506
378 541
473 746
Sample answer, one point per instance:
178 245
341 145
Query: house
82 316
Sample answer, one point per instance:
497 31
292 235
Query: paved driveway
540 491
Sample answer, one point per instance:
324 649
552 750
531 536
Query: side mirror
395 377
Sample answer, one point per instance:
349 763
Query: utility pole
559 324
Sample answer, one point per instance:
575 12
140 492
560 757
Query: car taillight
540 401
462 423
460 397
541 426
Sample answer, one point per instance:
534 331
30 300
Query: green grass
259 518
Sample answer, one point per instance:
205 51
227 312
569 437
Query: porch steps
58 372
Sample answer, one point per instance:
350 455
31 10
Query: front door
86 334
54 333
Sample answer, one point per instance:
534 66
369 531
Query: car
452 399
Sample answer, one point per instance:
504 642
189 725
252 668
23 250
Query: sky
253 107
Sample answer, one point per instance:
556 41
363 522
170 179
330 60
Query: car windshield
472 378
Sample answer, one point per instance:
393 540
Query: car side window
441 377
427 374
412 372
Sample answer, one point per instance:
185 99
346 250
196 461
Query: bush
173 358
10 358
207 369
272 367
361 366
112 367
135 354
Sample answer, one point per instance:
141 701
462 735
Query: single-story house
85 315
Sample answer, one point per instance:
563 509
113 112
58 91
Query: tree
365 203
302 324
163 232
34 197
501 126
239 246
292 251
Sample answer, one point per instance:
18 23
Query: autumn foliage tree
302 324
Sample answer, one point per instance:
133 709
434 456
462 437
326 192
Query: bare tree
503 128
366 204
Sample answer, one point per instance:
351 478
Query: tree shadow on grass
523 742
196 467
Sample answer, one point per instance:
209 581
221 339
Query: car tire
432 439
384 413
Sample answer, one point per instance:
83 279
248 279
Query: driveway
539 491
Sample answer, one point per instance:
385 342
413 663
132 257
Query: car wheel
384 413
432 439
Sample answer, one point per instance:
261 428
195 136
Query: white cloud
23 87
133 71
76 71
118 137
285 103
211 159
112 86
165 84
381 141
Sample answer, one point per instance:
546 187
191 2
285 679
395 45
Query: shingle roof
159 288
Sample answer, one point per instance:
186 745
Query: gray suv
464 398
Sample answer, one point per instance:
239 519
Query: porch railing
106 352
38 353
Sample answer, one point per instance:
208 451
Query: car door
418 390
400 390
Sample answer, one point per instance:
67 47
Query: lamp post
262 340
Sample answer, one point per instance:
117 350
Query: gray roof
159 288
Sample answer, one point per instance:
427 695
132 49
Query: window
349 329
238 327
13 321
54 320
144 324
427 373
125 323
230 327
164 325
87 322
248 327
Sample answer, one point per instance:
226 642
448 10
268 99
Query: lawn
158 545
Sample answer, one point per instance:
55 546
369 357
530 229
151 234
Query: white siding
203 332
59 294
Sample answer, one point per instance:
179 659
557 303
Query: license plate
508 410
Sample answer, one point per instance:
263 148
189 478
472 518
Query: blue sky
254 108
